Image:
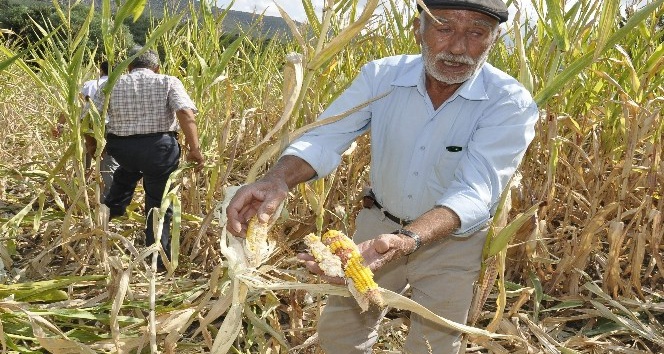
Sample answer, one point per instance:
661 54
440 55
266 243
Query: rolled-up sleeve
323 146
494 152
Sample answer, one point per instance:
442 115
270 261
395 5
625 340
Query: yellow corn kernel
353 264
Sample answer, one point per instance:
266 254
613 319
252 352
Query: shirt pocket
445 167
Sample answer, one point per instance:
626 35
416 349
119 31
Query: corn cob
327 261
256 242
360 276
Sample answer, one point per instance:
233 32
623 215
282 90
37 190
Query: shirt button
410 196
416 173
422 147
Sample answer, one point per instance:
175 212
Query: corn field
575 263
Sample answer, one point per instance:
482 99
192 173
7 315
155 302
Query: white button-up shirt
90 87
461 155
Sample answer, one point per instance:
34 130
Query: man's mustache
463 59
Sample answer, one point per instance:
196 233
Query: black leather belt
369 201
113 136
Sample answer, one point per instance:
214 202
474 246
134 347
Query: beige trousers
440 276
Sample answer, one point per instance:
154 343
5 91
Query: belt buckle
368 202
404 222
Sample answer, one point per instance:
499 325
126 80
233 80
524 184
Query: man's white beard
432 69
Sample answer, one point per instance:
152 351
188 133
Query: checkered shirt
143 102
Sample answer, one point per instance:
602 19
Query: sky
296 11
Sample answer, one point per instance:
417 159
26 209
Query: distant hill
234 22
267 26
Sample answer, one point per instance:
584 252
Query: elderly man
145 111
445 139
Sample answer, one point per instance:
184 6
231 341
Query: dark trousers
153 158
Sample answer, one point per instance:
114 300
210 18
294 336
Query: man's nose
457 44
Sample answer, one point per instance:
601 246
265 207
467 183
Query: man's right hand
56 130
195 156
261 198
90 144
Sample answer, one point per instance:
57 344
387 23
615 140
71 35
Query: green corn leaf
505 235
525 74
131 7
73 313
16 57
265 327
85 28
539 294
13 223
34 290
654 64
107 30
558 29
559 82
58 10
226 56
73 70
51 295
570 304
312 18
607 24
175 235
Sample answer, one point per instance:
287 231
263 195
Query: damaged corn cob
327 261
360 277
257 243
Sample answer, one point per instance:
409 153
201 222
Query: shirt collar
472 89
141 70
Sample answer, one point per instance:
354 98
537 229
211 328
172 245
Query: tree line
25 19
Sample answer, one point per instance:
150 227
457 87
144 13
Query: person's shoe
115 212
161 267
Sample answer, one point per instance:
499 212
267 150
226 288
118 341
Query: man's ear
156 70
416 30
498 32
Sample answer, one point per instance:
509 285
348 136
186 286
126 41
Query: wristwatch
414 236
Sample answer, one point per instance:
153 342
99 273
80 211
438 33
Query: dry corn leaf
341 40
173 321
63 346
293 76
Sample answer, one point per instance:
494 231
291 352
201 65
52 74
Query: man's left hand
377 252
381 250
311 264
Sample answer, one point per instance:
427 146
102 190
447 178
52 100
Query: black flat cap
494 8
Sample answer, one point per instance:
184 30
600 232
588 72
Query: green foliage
139 29
24 20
